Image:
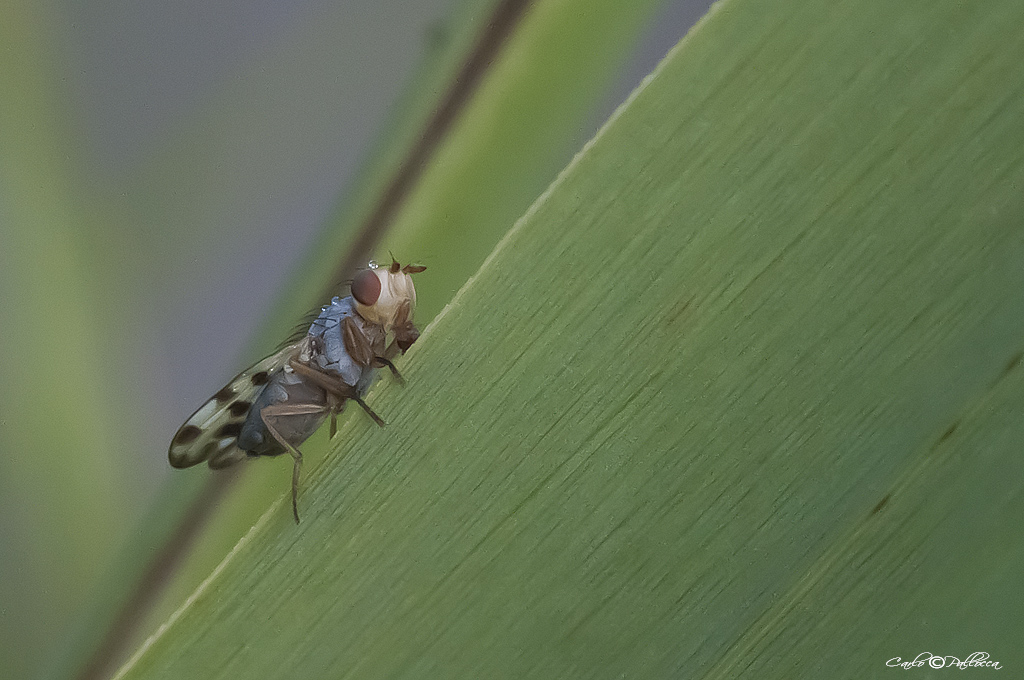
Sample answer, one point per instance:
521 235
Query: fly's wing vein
211 433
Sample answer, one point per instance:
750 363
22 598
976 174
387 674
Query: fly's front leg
405 332
274 412
380 362
362 349
404 337
334 386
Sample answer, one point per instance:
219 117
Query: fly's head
386 296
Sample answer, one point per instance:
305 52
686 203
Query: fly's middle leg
334 386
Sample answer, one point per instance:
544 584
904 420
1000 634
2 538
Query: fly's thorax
326 345
383 296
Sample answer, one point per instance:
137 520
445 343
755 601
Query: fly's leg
379 362
275 411
405 332
334 386
357 344
335 405
361 348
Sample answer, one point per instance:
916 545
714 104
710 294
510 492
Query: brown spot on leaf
1013 363
677 310
949 432
260 378
881 504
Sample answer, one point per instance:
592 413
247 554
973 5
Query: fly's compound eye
366 287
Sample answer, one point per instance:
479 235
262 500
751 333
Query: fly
275 405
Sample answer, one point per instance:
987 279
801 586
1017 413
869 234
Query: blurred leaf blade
718 402
58 468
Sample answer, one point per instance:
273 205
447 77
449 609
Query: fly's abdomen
301 409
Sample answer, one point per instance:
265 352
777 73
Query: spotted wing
211 433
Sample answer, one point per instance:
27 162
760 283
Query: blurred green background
165 169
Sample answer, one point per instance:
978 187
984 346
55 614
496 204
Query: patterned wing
211 433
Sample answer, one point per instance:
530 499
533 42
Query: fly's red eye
366 287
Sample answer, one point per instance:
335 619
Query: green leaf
739 395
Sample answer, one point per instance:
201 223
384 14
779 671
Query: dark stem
503 21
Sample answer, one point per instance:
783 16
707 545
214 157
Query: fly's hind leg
272 413
335 405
